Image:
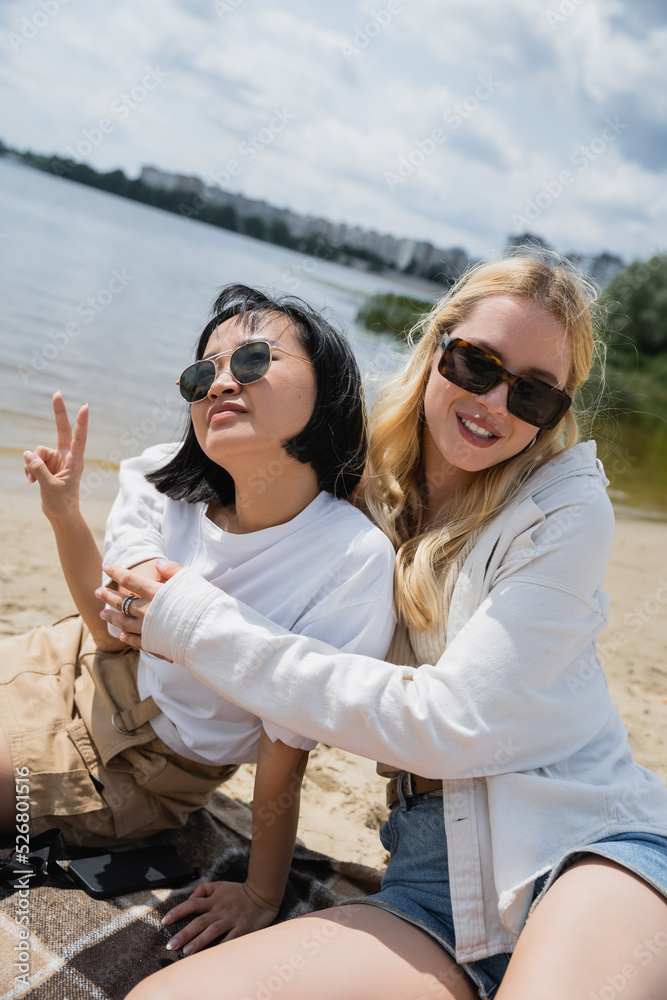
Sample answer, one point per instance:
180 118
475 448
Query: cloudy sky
458 122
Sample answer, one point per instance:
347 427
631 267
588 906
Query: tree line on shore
631 312
191 205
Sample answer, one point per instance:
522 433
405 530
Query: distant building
453 262
529 240
157 178
417 257
601 269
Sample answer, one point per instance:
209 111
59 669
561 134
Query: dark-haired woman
255 497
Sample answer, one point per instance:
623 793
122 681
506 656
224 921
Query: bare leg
7 789
346 953
600 932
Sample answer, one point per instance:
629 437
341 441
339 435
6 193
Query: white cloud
553 85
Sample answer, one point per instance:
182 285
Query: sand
343 798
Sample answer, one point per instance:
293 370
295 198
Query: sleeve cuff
175 611
288 737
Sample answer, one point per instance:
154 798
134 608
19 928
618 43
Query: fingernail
106 567
103 614
166 919
98 593
188 949
172 945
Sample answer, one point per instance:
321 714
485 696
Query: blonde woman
528 850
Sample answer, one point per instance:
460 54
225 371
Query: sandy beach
343 798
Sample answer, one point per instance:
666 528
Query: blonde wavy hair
394 490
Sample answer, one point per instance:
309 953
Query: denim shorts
416 883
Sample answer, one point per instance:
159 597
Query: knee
173 982
147 989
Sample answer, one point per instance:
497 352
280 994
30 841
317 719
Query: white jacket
515 716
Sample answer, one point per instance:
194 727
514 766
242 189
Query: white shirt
327 573
515 716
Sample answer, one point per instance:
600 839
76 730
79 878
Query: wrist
65 515
259 900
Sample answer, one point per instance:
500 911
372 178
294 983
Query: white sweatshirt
515 717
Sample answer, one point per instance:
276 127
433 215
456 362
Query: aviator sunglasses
529 399
248 363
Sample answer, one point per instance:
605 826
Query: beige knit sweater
411 648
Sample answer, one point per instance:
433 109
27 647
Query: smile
475 428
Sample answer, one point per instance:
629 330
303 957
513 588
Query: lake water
103 298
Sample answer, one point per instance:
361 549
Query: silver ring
127 601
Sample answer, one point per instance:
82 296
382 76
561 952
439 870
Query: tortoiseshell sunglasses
529 399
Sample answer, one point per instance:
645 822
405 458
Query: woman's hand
58 470
225 908
144 590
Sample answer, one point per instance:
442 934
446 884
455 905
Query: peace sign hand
58 470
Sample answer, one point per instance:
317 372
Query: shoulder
350 528
151 459
350 564
561 528
572 488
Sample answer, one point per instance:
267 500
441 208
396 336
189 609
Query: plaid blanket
88 949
